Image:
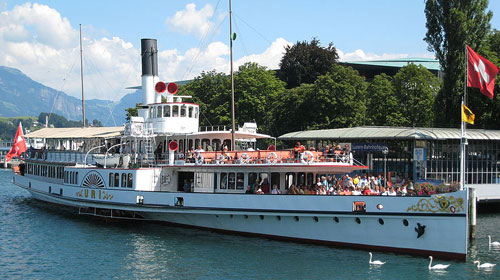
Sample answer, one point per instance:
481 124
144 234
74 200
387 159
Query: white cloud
40 42
192 21
271 57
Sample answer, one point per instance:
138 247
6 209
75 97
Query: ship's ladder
149 144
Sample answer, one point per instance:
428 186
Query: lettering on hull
94 194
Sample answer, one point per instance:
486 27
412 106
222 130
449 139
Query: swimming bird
494 243
377 262
484 265
437 266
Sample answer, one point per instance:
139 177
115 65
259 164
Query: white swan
374 262
485 265
494 243
437 266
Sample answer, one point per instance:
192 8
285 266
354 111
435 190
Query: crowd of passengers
345 185
328 152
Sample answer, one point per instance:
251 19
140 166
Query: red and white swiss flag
481 73
19 145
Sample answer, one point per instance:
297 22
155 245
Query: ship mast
81 75
232 74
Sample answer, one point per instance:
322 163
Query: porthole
381 221
231 216
315 219
261 217
217 216
336 219
246 216
278 218
296 218
358 220
405 222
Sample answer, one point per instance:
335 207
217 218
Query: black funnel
149 53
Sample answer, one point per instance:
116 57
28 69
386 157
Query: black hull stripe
311 212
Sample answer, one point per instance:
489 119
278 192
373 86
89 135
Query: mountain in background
21 96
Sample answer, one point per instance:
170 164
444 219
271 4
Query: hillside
22 96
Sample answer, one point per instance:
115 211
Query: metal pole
81 75
232 74
385 170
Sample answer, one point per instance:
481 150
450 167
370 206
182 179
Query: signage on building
368 147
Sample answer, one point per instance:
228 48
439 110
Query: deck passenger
297 150
249 190
265 186
275 190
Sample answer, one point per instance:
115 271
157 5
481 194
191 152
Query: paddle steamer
144 170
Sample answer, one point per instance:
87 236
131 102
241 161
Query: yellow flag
467 115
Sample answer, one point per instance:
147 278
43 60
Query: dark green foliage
255 90
304 62
132 112
8 126
451 24
382 106
335 100
415 91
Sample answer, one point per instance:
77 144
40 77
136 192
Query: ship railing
59 156
266 157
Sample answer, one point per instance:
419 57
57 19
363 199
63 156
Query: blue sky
41 38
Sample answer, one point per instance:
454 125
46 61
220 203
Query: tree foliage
304 62
415 90
255 89
335 100
382 106
451 24
132 112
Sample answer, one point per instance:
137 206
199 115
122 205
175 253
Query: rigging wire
240 39
61 90
251 27
89 61
203 43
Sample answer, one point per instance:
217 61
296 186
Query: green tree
132 112
451 24
382 106
415 88
255 89
338 99
96 123
212 91
289 108
304 62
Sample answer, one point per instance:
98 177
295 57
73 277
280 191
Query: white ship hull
304 218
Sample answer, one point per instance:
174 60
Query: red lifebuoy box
172 88
173 146
160 87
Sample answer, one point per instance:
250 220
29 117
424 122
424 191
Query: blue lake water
41 241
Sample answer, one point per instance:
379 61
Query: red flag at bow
481 73
19 145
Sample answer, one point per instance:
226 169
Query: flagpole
463 141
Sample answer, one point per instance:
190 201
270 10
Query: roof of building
429 63
397 133
77 132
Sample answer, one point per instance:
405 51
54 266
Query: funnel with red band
160 87
173 145
172 88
